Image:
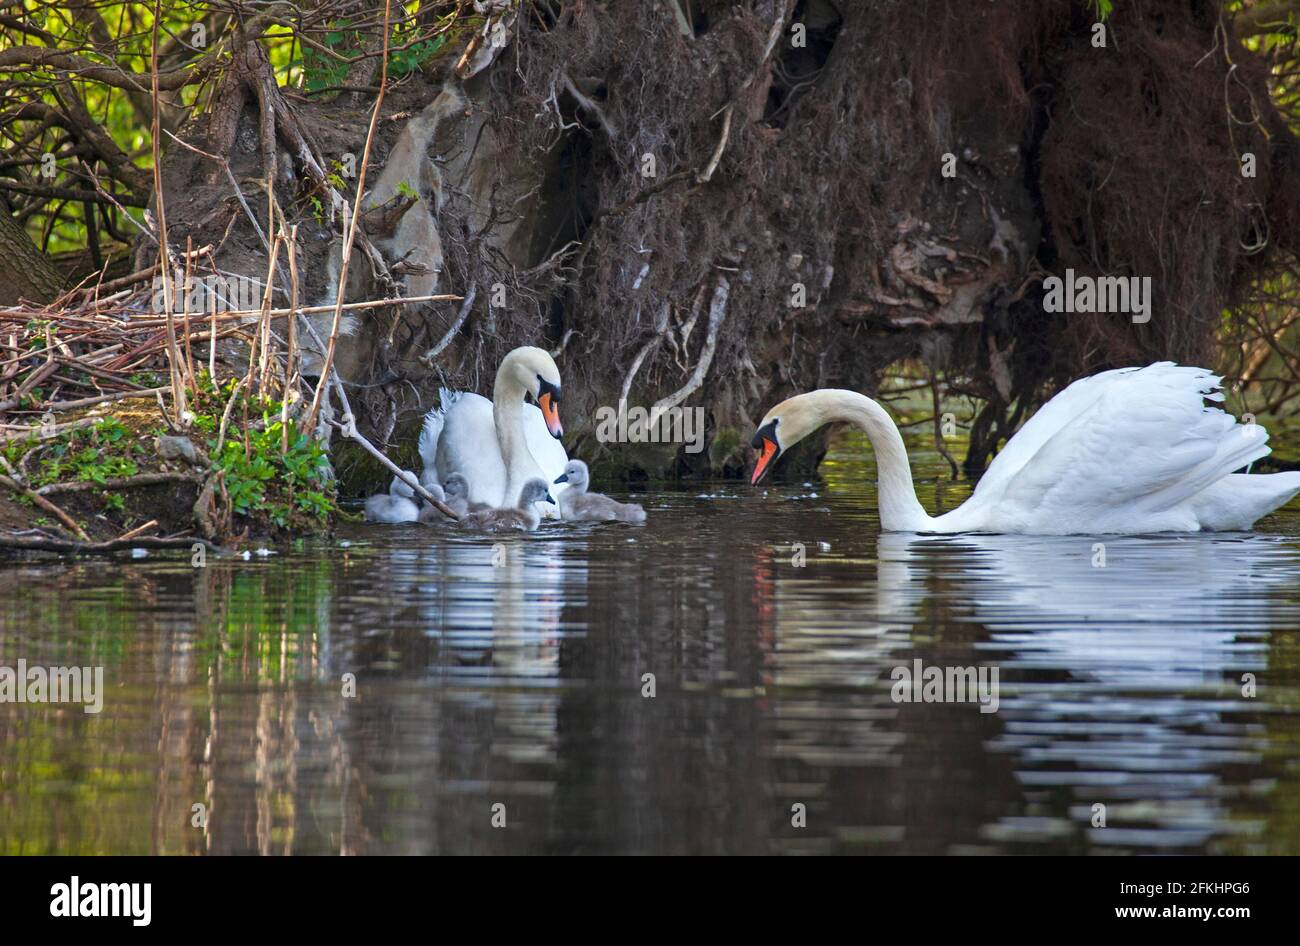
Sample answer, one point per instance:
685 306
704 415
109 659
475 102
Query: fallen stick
127 482
101 399
349 430
304 310
53 431
131 534
33 379
45 504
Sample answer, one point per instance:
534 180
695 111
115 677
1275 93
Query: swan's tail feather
1237 501
1238 445
431 431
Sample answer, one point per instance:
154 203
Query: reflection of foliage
72 783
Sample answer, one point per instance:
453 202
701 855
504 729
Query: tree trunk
26 273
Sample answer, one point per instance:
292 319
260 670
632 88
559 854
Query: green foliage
273 472
402 62
325 71
1103 8
293 488
146 379
89 455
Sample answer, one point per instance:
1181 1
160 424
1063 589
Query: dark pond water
514 676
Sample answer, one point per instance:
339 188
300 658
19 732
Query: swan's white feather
1046 422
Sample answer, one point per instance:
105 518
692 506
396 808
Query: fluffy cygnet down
396 505
576 503
525 517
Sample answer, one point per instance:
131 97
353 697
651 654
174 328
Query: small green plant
403 62
90 454
286 487
145 379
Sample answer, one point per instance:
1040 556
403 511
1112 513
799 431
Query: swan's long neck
508 416
900 510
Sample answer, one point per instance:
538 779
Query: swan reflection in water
517 678
468 632
1094 636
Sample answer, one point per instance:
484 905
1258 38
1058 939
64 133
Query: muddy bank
128 476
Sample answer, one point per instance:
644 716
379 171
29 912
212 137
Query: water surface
513 675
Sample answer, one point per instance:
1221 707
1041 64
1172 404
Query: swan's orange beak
765 442
550 406
765 459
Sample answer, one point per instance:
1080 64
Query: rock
177 448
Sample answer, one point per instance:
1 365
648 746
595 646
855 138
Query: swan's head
534 491
575 474
783 427
534 370
456 487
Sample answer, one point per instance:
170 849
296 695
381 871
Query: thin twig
461 316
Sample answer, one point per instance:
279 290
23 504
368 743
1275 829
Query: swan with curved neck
1126 451
501 444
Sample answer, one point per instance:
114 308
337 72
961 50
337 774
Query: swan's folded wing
1076 399
1145 444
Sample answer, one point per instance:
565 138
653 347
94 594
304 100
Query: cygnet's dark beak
562 478
550 500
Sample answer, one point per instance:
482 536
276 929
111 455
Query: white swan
1126 451
499 445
